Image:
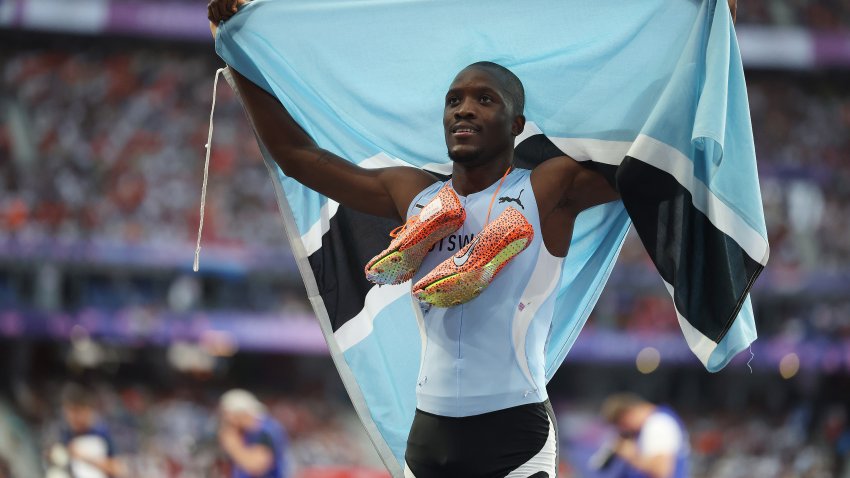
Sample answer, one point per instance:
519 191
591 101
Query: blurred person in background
255 443
85 449
652 442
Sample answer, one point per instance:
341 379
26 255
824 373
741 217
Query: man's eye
486 99
452 100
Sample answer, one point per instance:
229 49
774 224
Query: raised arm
563 189
385 192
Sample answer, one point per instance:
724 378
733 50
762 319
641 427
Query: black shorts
519 442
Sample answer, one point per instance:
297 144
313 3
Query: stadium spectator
652 440
255 443
85 438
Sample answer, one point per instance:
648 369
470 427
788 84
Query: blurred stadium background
103 117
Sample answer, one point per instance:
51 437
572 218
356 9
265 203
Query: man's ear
518 125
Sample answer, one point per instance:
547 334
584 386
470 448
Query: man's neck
472 178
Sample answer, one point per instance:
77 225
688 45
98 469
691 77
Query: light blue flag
651 94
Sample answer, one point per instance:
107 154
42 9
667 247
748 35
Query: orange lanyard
490 207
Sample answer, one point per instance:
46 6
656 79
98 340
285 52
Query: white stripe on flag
699 344
359 327
669 159
598 150
582 149
530 130
312 239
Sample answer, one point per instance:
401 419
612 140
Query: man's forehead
480 77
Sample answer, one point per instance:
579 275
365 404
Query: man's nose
465 109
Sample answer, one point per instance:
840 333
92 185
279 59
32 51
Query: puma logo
460 261
510 199
418 205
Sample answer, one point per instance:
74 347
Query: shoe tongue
431 208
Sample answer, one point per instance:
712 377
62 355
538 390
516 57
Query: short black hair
511 84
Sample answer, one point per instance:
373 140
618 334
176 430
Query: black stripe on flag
538 148
710 273
353 238
534 150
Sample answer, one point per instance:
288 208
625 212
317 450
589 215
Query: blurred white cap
238 400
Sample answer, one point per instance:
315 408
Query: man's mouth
462 131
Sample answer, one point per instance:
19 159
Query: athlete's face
478 119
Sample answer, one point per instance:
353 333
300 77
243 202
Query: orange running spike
465 275
442 216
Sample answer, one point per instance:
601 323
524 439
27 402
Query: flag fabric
651 94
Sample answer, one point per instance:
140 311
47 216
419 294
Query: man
87 440
254 441
482 407
653 442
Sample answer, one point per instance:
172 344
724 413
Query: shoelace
400 229
197 261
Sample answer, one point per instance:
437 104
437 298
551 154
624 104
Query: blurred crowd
735 446
816 14
171 434
106 146
110 146
791 444
803 141
102 145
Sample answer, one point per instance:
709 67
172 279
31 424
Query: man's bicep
384 192
361 189
403 184
561 182
551 180
592 188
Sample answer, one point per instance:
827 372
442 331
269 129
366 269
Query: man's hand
221 10
256 459
229 438
627 449
654 466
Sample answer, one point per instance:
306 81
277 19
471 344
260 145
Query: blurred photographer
85 449
652 441
253 440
